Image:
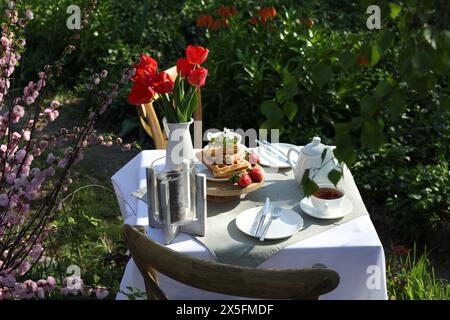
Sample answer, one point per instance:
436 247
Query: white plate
307 207
285 226
270 160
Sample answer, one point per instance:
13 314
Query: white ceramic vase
179 146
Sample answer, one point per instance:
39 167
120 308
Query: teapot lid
315 148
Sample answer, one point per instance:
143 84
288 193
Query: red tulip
143 76
184 67
196 55
198 76
148 64
162 83
140 94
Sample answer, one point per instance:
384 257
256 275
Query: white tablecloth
353 249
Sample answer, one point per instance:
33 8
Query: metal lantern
177 200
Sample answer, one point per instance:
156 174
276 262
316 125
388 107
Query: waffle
227 170
228 155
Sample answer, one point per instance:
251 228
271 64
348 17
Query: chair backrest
149 119
151 257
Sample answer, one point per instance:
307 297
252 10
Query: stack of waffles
224 161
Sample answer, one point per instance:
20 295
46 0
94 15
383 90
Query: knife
265 212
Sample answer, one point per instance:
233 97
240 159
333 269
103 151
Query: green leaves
369 106
375 55
347 60
309 186
395 10
334 176
321 73
372 134
345 151
290 110
384 87
396 104
273 114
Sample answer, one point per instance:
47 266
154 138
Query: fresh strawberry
253 158
244 180
256 175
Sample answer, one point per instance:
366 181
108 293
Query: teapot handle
292 163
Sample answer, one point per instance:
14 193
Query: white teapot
310 157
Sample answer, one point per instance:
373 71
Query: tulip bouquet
178 99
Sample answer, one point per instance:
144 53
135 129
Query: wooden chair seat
151 257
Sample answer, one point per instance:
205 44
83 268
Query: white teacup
328 206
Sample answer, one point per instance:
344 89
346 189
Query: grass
411 277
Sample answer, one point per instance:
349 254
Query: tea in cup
328 199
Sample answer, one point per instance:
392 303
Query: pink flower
55 104
5 42
101 293
64 291
29 100
31 194
24 267
29 14
26 135
51 281
51 158
4 200
8 281
40 293
20 155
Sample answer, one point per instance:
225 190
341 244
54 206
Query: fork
276 213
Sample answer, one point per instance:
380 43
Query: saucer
307 207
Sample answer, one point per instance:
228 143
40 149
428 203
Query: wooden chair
151 257
149 119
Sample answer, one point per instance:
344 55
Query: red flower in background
253 20
198 76
309 22
196 55
184 67
201 21
267 13
216 25
362 61
226 12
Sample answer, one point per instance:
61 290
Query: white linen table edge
359 234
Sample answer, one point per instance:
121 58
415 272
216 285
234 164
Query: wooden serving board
226 191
